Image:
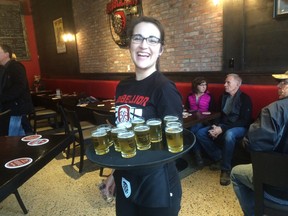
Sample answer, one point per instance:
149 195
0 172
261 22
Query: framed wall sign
59 31
280 8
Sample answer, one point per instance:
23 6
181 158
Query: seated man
219 139
268 133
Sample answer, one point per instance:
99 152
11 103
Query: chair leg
18 197
73 152
101 171
82 152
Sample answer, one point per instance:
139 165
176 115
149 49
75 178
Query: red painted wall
32 65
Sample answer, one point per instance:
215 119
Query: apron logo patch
126 187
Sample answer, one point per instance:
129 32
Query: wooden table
12 148
198 117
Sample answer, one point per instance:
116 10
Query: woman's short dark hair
6 49
197 81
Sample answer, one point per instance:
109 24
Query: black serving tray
157 155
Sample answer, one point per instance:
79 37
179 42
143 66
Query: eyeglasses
151 40
202 84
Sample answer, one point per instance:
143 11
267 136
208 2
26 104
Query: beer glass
127 144
114 134
108 128
142 135
170 118
137 121
174 138
126 125
155 129
172 123
100 141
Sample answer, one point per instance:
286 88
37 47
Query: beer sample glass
127 144
100 141
155 129
108 128
138 121
170 118
142 135
126 125
114 134
174 137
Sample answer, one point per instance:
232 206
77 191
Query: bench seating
261 95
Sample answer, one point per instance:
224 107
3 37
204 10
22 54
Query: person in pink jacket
199 100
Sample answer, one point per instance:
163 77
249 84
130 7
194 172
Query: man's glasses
151 40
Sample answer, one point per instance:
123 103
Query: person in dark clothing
15 93
268 134
219 139
149 94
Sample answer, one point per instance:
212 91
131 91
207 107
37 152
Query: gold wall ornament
120 14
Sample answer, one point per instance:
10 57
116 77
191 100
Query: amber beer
170 118
174 137
108 128
114 134
127 144
142 135
100 141
155 129
137 121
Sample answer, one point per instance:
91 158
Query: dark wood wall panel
256 39
51 62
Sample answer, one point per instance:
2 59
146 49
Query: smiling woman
138 191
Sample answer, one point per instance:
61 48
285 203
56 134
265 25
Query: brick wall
194 36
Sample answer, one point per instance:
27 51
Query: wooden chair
84 125
81 136
43 114
269 169
4 129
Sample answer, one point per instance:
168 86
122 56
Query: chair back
63 118
73 123
101 118
269 169
4 122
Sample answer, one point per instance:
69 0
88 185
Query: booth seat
101 89
261 95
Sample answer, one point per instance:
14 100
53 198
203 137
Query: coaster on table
38 142
31 137
18 162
